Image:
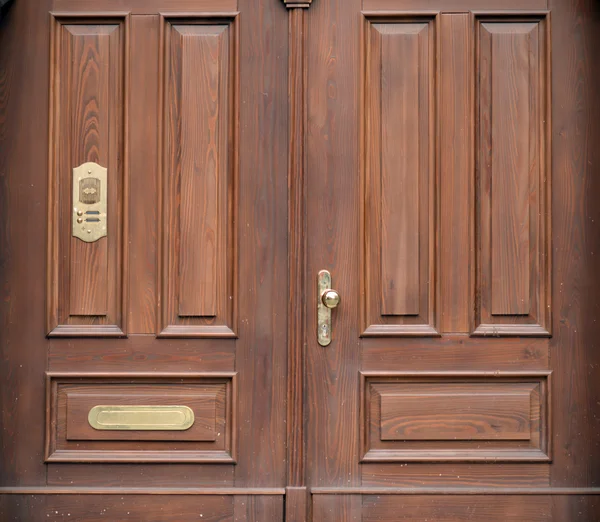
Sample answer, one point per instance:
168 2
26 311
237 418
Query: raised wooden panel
513 176
199 202
445 417
204 404
71 438
88 121
398 214
460 413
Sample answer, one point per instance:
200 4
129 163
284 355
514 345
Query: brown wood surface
479 122
451 417
574 357
203 403
121 87
212 397
88 124
143 174
199 174
399 144
513 216
458 413
490 295
456 183
25 31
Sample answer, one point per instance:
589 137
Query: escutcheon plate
89 202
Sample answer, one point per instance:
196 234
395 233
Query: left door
143 248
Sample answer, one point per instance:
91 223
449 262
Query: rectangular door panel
399 180
513 172
199 201
416 417
86 280
74 434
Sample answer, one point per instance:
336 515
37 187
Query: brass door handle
328 300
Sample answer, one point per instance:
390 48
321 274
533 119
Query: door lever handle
328 300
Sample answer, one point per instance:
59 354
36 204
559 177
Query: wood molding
297 4
454 491
296 247
50 490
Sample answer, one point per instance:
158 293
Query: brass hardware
141 418
89 202
328 299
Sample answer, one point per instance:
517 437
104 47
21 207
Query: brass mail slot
146 418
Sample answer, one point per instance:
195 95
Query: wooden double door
175 178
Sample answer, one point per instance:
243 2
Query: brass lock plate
89 202
323 313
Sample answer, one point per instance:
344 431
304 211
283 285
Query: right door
439 192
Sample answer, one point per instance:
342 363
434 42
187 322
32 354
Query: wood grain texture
296 504
203 129
24 32
161 475
457 508
475 475
261 350
575 357
200 172
96 508
468 417
455 353
513 176
296 250
327 508
456 413
143 172
260 355
71 439
456 180
399 144
90 59
333 69
89 75
401 135
142 353
257 508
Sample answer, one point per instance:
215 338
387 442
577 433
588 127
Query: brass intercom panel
89 202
